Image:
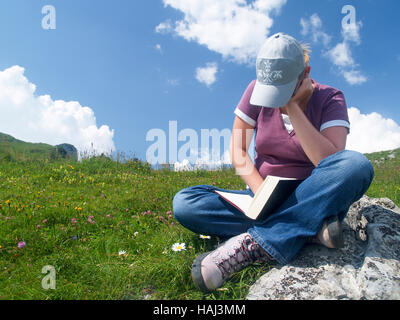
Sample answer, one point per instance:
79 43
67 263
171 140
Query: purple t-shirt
278 152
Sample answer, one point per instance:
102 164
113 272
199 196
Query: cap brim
272 96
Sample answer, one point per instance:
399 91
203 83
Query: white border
334 123
245 117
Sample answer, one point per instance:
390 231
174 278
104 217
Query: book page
242 201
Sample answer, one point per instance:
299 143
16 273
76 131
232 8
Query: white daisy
178 246
202 236
122 253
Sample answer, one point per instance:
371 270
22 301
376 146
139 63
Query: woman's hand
303 93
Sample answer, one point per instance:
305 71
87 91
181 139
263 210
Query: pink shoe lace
248 252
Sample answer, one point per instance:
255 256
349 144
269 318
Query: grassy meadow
108 230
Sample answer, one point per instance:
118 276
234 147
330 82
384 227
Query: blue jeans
333 186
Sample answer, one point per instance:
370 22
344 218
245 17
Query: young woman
301 129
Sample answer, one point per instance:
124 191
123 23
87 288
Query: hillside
108 228
386 182
14 149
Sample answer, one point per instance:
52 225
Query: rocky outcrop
67 151
368 267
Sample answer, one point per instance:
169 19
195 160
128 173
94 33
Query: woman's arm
316 145
242 135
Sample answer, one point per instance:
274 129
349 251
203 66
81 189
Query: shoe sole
335 231
196 273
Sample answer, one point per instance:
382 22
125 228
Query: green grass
386 182
86 256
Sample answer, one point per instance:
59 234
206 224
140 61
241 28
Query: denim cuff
270 250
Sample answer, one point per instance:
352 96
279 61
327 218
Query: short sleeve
246 111
335 112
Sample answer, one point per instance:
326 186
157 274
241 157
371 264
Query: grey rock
67 151
368 267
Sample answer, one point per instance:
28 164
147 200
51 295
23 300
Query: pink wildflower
21 244
73 220
44 220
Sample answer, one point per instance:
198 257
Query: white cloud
371 132
33 118
354 77
207 74
234 28
340 54
183 166
341 57
351 32
313 26
158 48
164 27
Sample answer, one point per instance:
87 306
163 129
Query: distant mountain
14 149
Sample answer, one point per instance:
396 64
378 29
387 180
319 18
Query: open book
271 194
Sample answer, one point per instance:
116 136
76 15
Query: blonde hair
306 51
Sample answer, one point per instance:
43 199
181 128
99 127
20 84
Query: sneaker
211 269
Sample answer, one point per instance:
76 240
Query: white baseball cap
280 63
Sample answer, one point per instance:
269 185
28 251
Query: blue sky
108 56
